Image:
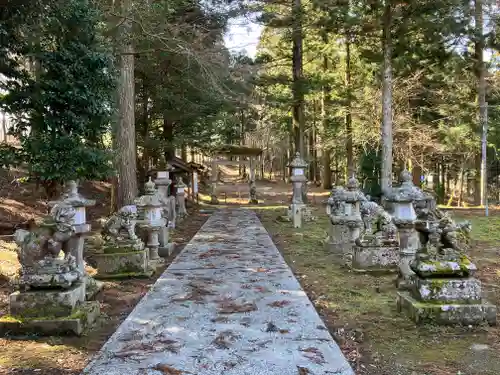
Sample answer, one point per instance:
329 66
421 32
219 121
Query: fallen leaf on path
231 308
169 370
314 355
303 370
279 303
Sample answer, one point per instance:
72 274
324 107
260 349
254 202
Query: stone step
229 304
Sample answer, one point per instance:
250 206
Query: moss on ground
364 306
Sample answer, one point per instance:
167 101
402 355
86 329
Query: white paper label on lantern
195 182
80 216
162 174
298 172
405 211
149 214
180 190
348 209
157 214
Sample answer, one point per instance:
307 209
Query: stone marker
51 295
150 219
376 250
444 290
123 253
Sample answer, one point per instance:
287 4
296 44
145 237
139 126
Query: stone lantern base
49 311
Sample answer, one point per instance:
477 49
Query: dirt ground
68 355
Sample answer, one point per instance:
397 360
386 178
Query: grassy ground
360 310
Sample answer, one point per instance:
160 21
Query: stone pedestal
123 265
444 292
446 314
122 258
370 256
75 324
122 255
54 303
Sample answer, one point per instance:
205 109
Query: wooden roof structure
179 164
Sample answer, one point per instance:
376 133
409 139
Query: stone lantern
72 197
181 198
400 204
151 219
163 183
348 216
298 179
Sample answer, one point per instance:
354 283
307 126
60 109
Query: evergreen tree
59 87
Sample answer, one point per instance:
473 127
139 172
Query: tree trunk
126 163
327 170
184 152
144 165
297 73
348 117
241 168
326 151
168 136
480 191
386 173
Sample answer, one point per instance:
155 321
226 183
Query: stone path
228 304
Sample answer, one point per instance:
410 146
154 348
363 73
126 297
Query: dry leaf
232 307
279 303
303 371
168 370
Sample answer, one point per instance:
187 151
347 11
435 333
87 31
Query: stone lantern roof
297 162
180 183
406 191
352 193
72 197
150 197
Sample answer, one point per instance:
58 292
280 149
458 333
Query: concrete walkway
229 305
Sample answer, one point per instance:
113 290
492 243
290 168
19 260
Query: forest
356 87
